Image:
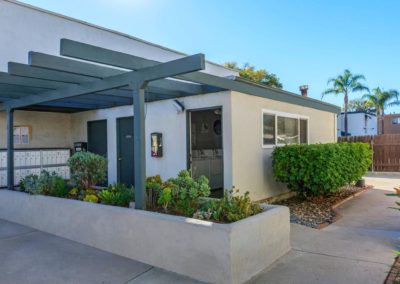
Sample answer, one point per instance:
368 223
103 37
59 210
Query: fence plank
386 149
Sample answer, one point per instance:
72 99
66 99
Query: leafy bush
180 195
91 198
321 168
165 198
88 169
185 193
231 208
45 183
29 183
117 195
58 187
154 186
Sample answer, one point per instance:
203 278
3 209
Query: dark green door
125 150
97 139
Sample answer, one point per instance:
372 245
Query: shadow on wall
272 187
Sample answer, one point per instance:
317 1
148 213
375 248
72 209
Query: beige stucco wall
161 116
251 163
49 130
247 165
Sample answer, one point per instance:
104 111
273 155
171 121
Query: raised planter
210 252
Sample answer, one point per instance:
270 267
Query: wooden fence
386 149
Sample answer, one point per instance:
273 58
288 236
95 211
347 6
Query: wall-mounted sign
156 145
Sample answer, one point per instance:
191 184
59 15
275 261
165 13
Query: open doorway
205 147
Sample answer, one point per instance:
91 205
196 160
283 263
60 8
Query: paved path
355 249
29 256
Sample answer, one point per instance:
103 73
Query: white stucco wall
49 130
161 117
251 163
24 28
357 124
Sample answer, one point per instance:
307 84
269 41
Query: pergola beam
96 71
105 56
71 91
168 69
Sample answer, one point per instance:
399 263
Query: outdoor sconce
156 145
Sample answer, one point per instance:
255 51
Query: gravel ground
313 211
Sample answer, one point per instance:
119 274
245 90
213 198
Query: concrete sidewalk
29 256
355 249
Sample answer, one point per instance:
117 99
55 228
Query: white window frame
282 114
19 128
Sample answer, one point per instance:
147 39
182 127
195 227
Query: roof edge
290 97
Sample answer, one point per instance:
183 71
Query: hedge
321 168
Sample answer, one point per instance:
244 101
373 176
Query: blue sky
303 42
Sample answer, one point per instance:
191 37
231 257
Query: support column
139 138
10 148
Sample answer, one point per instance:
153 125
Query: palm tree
345 84
380 100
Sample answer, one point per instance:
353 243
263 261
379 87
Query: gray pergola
89 77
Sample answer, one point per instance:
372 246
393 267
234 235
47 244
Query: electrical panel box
156 145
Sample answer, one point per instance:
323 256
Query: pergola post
10 148
139 138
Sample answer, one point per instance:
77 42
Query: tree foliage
345 84
360 105
256 75
380 99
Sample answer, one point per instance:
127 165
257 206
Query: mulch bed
394 274
318 212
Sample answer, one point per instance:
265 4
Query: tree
380 100
360 105
259 76
345 84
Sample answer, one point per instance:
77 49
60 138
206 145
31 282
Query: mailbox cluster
33 161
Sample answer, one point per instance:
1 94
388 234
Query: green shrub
117 195
185 192
321 168
58 187
91 198
88 169
231 208
45 183
154 186
29 183
165 198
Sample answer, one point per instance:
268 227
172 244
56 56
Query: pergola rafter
51 82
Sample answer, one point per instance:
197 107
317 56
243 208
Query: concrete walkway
29 256
355 249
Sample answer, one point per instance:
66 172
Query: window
396 120
303 131
288 130
269 129
284 128
22 134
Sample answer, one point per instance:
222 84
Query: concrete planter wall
217 253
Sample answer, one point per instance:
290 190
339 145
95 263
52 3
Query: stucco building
226 134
